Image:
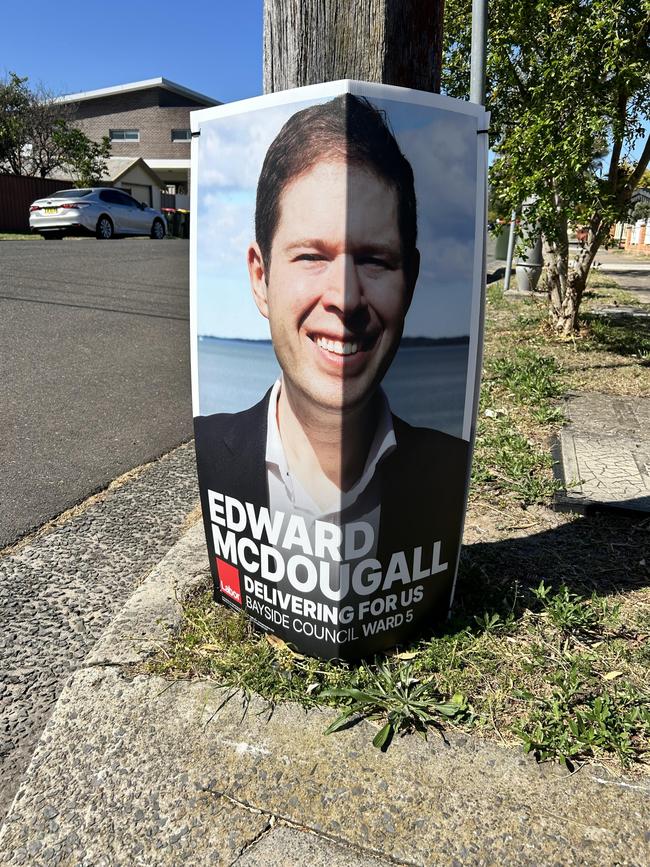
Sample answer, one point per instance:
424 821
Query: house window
124 134
181 134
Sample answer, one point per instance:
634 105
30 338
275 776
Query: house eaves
164 83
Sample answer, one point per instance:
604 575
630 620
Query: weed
494 294
508 461
404 701
577 721
527 375
489 622
573 614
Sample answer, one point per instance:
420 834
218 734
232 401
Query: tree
640 211
15 103
46 116
85 160
391 41
563 75
38 136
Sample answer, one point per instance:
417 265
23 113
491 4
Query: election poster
336 274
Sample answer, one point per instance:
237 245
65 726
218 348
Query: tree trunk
566 278
388 41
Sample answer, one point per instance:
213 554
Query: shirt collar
275 456
383 443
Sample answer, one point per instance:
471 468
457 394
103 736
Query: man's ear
257 275
412 274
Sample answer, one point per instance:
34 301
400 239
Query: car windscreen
69 194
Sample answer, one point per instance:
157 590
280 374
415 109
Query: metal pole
511 249
479 50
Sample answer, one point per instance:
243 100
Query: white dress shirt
361 503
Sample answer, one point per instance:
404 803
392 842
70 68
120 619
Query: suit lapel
245 440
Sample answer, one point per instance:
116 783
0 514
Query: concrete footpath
605 453
61 587
131 770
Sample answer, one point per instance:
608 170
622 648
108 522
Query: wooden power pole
387 41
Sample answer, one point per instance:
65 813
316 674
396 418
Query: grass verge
548 645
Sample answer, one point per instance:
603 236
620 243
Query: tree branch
619 125
521 85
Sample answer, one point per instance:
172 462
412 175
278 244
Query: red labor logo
229 580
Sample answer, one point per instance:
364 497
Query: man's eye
310 257
374 261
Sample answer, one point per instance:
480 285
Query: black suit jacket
423 487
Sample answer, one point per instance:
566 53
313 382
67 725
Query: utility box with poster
336 281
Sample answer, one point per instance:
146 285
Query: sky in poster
442 148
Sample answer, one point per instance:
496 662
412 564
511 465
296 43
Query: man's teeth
337 347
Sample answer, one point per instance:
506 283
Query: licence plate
51 210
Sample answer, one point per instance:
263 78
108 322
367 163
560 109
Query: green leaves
575 722
383 737
529 376
38 136
405 701
568 86
572 613
85 159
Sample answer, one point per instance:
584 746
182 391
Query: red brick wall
643 240
154 112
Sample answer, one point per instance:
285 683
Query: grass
562 673
19 236
549 643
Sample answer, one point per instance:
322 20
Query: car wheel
158 230
104 229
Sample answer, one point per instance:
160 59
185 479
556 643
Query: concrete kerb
135 771
154 608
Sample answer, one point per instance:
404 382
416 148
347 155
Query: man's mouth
344 347
337 346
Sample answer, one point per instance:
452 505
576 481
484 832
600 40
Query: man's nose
344 290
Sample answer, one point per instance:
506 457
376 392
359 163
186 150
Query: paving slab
605 453
135 770
289 847
60 589
621 311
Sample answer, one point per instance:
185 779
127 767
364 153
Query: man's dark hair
348 128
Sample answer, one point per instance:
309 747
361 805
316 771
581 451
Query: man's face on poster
336 292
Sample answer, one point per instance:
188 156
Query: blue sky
213 47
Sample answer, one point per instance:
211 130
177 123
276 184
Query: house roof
140 85
116 167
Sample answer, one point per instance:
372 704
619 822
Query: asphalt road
94 342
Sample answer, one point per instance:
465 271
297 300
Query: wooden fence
17 194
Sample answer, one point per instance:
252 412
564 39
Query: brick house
144 119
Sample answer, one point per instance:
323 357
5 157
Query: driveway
94 338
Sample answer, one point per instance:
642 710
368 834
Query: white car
104 212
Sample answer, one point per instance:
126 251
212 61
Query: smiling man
333 268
